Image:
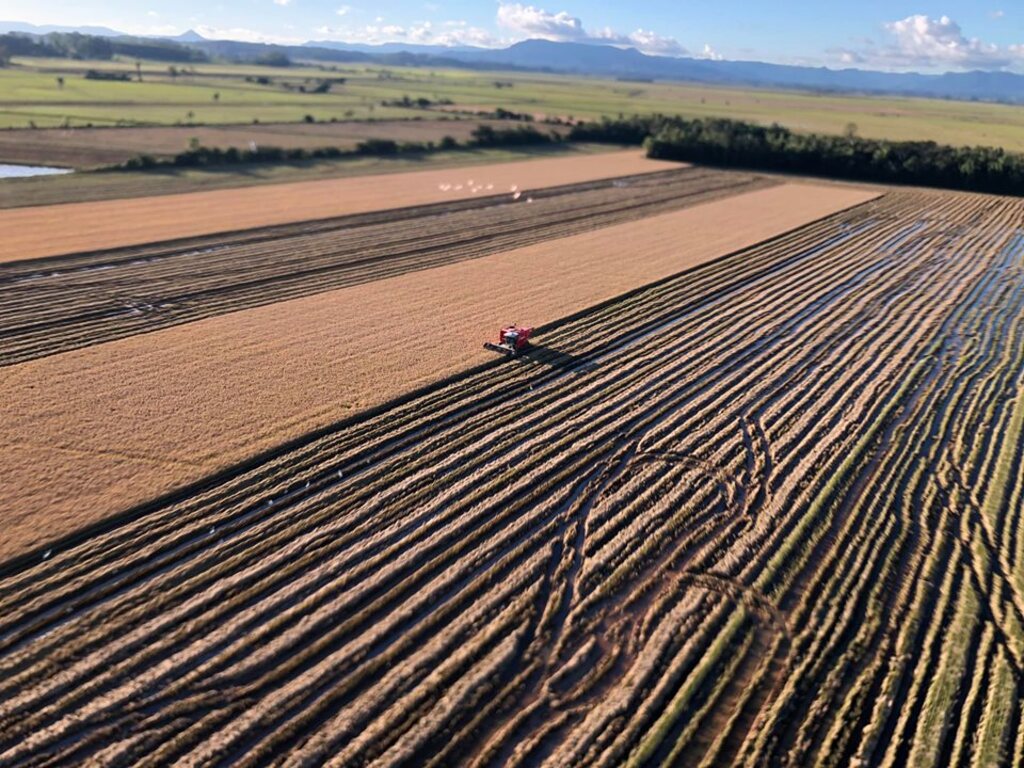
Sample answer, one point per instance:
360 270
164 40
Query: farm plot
764 512
96 430
91 147
52 305
41 231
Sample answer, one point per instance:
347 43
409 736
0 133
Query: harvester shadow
554 358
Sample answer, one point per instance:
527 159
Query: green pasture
29 93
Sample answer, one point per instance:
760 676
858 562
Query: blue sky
891 34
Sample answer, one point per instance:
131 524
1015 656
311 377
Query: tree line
74 45
732 143
483 136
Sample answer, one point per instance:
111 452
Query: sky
871 34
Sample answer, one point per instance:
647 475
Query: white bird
517 195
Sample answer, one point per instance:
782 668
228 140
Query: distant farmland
764 511
29 94
91 147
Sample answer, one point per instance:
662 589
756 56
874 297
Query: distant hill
609 61
33 29
616 62
600 61
74 44
187 37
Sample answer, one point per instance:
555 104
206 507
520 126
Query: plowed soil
98 430
30 233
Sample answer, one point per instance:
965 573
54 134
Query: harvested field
61 303
92 147
769 515
117 424
31 233
98 186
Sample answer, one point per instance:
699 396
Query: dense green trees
74 45
274 58
199 156
487 136
774 148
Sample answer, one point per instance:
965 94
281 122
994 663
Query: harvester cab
512 339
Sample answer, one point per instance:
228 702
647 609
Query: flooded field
23 171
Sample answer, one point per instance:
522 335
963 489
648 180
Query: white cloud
848 57
997 14
521 21
245 35
449 34
923 43
527 21
643 40
282 2
710 53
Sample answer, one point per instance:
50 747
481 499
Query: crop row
768 514
62 303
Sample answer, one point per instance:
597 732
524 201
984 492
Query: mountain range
35 29
611 62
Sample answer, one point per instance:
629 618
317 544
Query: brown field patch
92 432
91 147
67 302
52 230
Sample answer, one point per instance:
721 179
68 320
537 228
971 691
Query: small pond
21 171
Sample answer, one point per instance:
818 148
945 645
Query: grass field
30 93
765 508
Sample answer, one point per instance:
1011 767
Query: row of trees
737 144
199 156
74 45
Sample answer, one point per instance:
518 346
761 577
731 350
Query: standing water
21 171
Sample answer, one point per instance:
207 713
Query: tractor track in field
757 521
61 303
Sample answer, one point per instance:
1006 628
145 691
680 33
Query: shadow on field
554 358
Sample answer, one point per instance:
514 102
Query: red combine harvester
512 339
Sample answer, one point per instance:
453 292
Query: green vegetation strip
731 143
484 137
